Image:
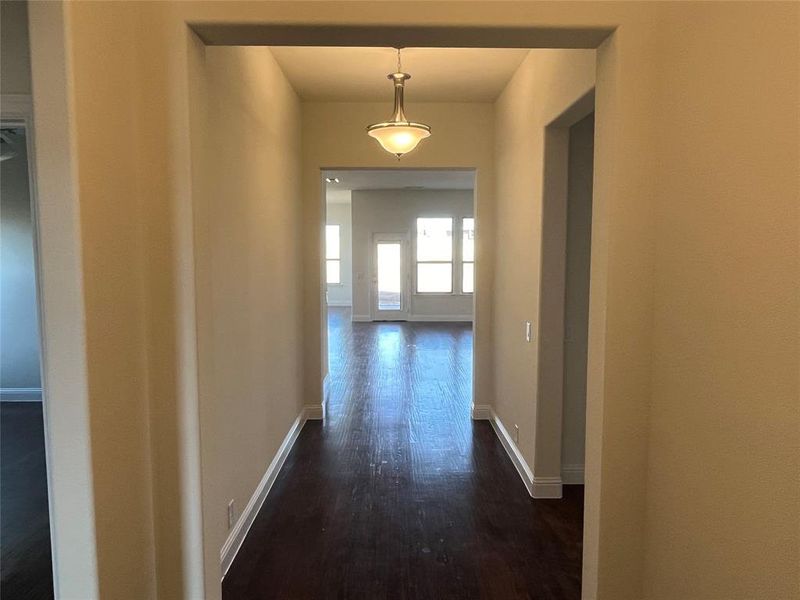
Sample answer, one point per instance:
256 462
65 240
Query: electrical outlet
516 433
528 331
231 513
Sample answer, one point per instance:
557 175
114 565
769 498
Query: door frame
61 313
552 293
17 109
405 267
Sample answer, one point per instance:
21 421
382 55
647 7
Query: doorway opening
25 554
391 375
399 271
390 289
251 31
580 172
564 290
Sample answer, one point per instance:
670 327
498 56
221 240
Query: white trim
547 487
17 106
441 318
481 412
340 303
239 531
21 394
314 412
62 308
572 474
420 319
404 313
538 487
525 472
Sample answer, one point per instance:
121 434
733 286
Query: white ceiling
437 74
395 179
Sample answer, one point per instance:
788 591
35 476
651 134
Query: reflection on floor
400 494
25 560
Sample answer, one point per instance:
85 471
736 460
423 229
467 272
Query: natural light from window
333 266
434 255
467 256
390 276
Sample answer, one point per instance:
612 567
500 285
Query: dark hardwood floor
25 561
399 494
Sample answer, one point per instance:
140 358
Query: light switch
528 331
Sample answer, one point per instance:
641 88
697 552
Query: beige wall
249 282
693 337
723 484
673 220
547 83
107 142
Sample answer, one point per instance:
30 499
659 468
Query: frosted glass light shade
398 135
399 138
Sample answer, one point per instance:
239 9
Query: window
434 255
467 256
333 263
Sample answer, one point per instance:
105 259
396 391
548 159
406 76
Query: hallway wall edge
538 487
240 530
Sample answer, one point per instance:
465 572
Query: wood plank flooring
399 494
26 567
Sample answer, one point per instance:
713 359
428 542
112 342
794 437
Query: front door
390 278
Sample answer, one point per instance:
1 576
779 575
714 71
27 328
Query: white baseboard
423 318
482 412
340 303
441 318
538 487
21 394
547 487
245 521
513 452
314 412
572 474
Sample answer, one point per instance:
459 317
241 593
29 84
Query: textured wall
249 275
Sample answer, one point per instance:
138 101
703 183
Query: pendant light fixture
398 135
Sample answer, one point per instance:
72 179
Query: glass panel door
389 281
390 289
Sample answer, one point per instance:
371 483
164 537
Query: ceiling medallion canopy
398 135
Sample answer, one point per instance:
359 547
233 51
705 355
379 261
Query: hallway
399 494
